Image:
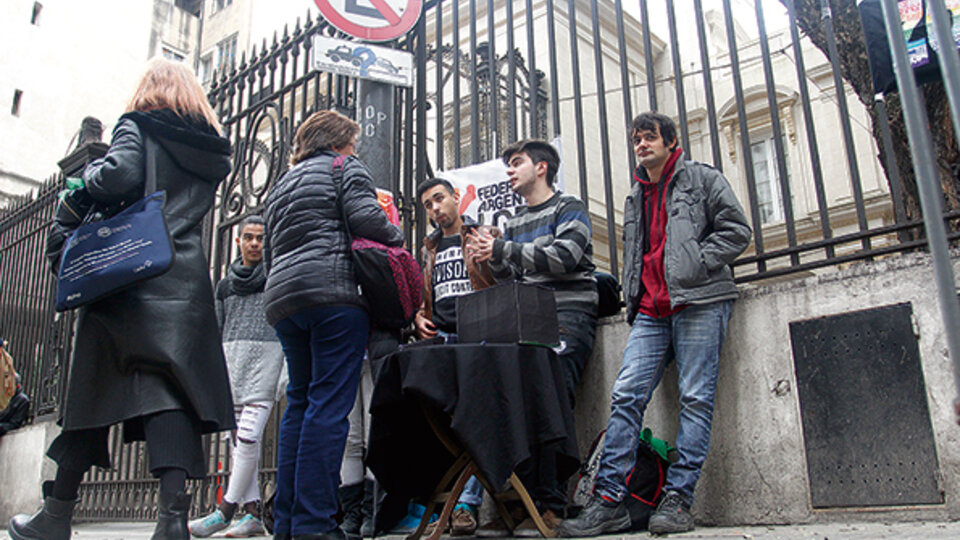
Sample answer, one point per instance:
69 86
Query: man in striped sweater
548 243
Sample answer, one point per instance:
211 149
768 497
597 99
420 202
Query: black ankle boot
369 489
51 522
351 502
172 511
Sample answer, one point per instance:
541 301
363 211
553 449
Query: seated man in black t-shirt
447 275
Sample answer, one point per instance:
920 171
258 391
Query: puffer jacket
305 250
480 275
706 231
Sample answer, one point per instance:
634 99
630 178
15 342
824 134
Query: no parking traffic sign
372 20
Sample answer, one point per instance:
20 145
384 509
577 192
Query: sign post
375 114
379 69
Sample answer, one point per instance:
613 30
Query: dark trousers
173 441
324 349
539 473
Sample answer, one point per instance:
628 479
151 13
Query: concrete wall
23 466
756 471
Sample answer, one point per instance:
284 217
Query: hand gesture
425 327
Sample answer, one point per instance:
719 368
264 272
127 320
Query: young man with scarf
683 226
255 363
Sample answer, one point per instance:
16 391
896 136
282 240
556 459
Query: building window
35 17
172 54
769 199
15 108
218 5
206 67
226 53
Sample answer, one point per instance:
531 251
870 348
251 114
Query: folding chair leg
547 532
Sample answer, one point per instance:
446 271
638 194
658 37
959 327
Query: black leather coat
156 345
305 249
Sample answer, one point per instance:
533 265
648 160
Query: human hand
425 327
480 246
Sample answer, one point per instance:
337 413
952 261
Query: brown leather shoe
528 529
463 522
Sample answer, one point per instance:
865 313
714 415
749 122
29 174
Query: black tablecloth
503 402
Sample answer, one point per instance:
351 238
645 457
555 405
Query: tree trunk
855 70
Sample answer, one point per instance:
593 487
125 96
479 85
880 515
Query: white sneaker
207 525
246 527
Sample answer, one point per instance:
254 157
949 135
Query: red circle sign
372 20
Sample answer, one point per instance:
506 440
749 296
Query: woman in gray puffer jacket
311 299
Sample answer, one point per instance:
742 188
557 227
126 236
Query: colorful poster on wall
919 33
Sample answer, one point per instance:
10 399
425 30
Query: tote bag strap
150 150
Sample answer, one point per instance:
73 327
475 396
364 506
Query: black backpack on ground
644 483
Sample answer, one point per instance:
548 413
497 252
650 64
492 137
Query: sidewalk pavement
824 531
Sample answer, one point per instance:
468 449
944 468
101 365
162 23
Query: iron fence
39 339
489 73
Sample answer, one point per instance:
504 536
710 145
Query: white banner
485 192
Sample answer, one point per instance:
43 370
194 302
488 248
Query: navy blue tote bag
102 257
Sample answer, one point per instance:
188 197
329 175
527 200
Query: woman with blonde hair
311 299
148 356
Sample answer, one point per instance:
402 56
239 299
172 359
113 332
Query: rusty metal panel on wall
863 403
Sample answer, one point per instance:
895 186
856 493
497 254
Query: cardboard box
508 313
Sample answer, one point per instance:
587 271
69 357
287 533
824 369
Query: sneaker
411 521
205 526
672 515
248 526
528 529
598 517
463 521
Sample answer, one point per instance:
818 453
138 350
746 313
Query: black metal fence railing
766 108
39 339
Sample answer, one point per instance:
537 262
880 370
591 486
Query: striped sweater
550 244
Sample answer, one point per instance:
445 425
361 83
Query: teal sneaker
411 521
205 526
248 526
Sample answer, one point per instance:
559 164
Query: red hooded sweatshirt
655 301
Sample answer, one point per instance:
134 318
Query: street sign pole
377 68
375 114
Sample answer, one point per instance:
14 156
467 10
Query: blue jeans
324 350
694 337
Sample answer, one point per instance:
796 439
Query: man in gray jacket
683 226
